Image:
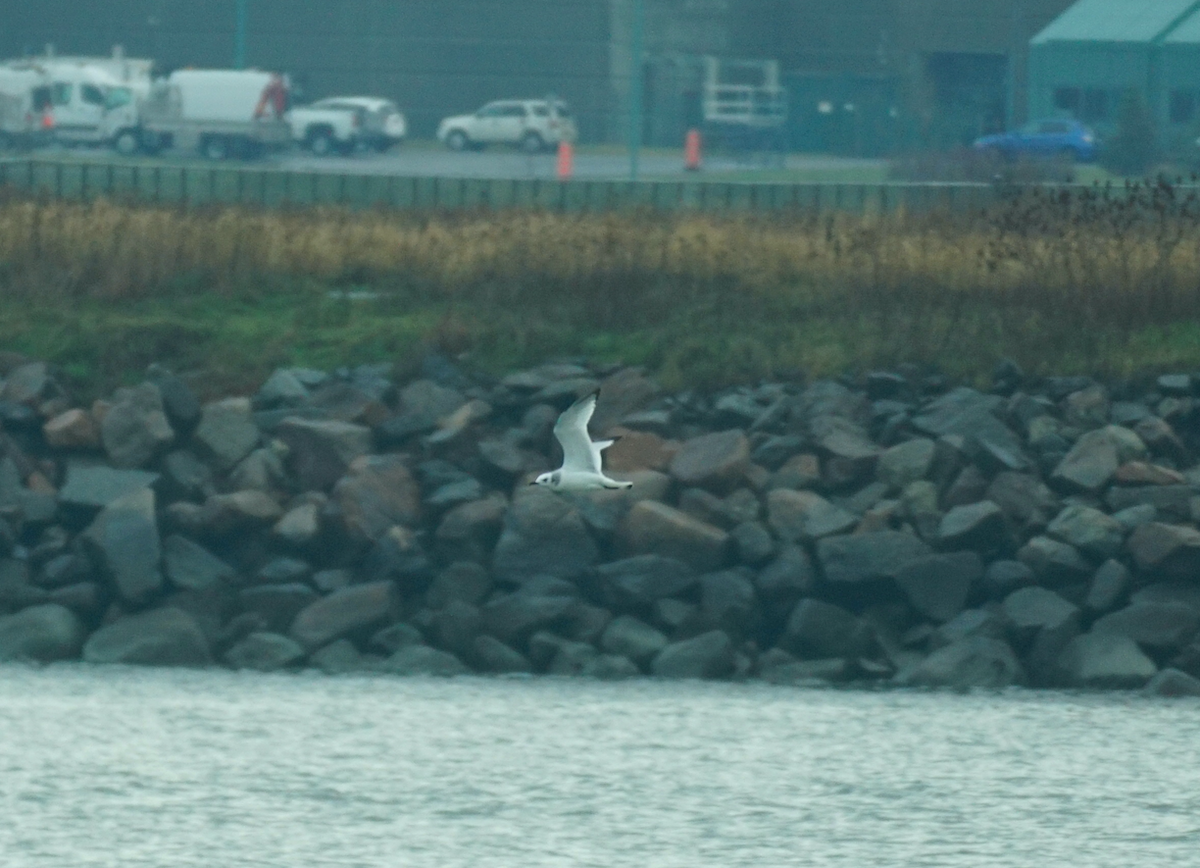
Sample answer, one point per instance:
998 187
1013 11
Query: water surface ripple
141 767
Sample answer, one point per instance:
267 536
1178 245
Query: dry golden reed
1045 278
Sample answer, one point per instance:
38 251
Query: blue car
1048 138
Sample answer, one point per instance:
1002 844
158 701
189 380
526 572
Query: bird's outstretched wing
579 453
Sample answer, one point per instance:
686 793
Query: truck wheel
215 148
320 143
532 143
456 140
126 143
151 143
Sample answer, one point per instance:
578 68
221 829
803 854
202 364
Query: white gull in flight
581 470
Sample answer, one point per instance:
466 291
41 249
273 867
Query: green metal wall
1112 67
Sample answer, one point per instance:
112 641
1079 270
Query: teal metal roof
1118 21
1188 32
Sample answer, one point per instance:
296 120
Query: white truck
222 113
325 131
93 100
25 117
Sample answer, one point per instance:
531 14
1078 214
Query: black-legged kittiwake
581 469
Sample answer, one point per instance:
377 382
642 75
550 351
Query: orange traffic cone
566 160
691 150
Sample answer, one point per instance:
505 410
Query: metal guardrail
266 187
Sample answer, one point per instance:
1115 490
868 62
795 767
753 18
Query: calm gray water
130 768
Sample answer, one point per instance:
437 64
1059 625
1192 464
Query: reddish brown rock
655 528
1141 473
343 613
639 450
1169 550
377 493
74 429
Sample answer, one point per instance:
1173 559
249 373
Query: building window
1067 99
1182 107
1095 105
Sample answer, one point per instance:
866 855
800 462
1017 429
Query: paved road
503 163
426 160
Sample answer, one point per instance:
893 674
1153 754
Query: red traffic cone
566 160
691 150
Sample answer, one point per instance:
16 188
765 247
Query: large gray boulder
468 532
866 557
1172 682
1041 624
817 629
1089 530
716 461
492 655
265 652
640 581
1109 585
189 566
803 516
277 604
322 449
42 633
728 602
513 618
1054 563
906 462
377 493
1105 661
1028 503
1160 626
709 655
135 428
158 637
543 534
97 485
123 541
980 526
850 455
1166 550
226 433
790 575
629 637
972 415
976 661
462 580
1093 460
938 585
343 613
422 660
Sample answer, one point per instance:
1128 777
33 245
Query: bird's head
549 479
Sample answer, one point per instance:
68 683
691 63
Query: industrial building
1086 61
862 77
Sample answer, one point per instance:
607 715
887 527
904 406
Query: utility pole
239 34
636 85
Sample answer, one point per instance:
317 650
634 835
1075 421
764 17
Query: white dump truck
25 117
221 113
93 100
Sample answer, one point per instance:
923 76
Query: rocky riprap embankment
889 530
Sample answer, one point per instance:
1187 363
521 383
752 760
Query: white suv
531 124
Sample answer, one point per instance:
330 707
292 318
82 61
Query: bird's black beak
534 482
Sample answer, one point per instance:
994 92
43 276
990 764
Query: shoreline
891 530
